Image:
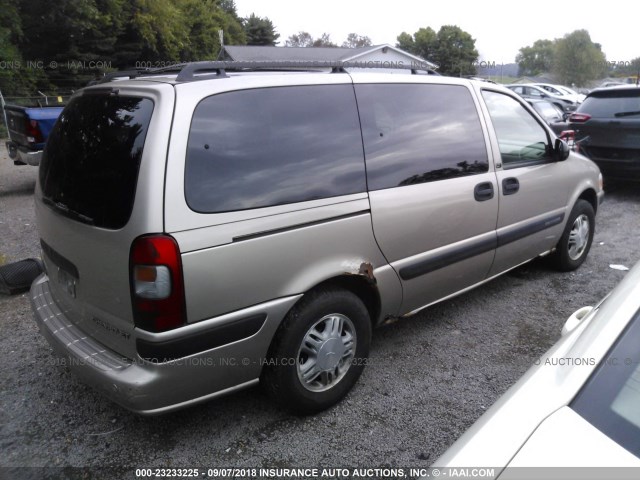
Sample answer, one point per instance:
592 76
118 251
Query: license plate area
63 271
67 282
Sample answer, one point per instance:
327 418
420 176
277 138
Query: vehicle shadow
24 188
622 191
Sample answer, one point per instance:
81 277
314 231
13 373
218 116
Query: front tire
575 243
319 351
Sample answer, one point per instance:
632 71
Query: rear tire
575 243
319 351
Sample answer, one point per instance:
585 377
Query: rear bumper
625 168
152 388
616 170
22 155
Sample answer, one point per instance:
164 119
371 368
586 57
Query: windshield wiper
68 211
626 114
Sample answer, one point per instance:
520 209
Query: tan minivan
212 228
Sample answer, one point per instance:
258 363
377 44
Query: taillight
579 117
567 135
34 135
157 287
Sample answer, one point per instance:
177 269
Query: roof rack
189 72
138 72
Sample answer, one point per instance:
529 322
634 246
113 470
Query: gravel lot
430 376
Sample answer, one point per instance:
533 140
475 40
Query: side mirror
560 150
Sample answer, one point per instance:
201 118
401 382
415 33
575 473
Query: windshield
610 398
90 165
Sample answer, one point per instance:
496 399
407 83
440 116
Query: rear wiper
68 211
626 114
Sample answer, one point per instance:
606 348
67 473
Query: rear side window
613 104
419 133
90 165
273 146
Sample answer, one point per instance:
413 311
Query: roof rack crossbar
107 77
189 71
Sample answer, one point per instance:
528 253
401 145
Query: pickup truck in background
29 127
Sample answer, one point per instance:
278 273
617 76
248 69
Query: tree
304 39
578 60
451 48
77 40
260 31
229 7
70 37
203 19
324 41
161 32
455 51
629 68
355 41
537 58
300 39
423 43
15 78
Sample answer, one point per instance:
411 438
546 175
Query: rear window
90 165
273 146
612 104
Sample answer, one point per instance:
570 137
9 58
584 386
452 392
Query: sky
499 28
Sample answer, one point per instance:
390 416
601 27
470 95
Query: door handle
510 186
483 191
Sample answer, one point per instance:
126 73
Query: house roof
253 53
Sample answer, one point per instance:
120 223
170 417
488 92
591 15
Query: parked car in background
578 406
607 130
529 91
577 96
551 114
611 84
28 128
216 226
561 91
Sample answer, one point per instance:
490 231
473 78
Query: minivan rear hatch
100 186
